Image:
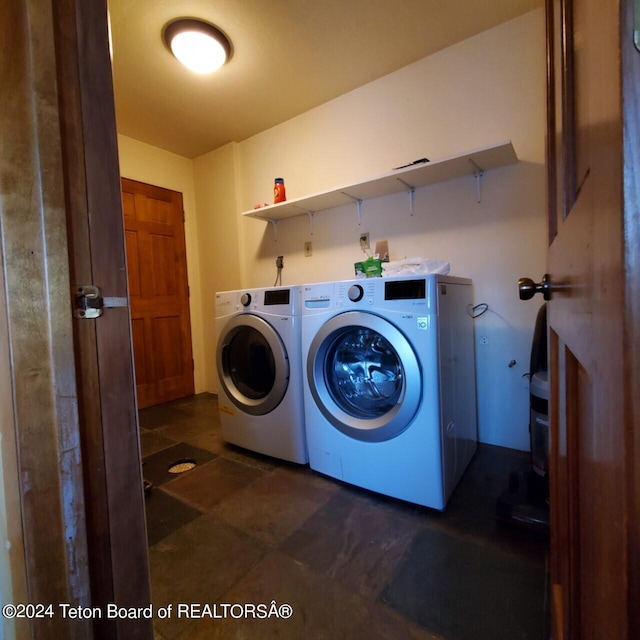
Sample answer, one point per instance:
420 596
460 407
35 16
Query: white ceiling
288 57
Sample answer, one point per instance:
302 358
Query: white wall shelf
472 163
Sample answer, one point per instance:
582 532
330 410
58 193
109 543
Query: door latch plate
88 302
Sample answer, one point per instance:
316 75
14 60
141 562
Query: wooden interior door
159 293
592 453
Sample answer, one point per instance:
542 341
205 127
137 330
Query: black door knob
528 288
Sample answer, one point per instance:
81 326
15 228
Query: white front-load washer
260 371
390 398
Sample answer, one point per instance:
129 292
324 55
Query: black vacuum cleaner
526 501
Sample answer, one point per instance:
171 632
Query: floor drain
181 466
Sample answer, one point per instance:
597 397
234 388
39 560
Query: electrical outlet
308 249
364 240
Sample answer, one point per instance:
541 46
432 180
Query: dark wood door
592 462
159 293
77 526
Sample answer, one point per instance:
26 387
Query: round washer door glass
253 365
364 376
364 373
250 362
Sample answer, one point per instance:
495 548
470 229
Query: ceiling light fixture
198 45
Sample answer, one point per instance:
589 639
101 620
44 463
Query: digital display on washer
277 296
405 289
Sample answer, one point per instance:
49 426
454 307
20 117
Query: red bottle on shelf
279 194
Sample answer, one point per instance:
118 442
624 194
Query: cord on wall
279 267
478 310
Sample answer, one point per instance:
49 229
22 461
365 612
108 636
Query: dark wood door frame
38 330
74 411
112 470
631 198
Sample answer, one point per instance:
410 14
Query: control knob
355 293
245 299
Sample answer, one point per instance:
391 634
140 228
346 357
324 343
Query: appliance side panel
447 373
464 387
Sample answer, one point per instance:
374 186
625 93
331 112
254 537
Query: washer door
364 376
253 364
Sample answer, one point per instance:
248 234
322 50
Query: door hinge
89 303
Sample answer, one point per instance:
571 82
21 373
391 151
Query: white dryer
390 398
260 371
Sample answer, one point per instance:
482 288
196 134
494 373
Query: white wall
485 90
145 163
220 241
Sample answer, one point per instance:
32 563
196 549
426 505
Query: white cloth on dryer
414 266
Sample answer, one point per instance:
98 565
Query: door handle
528 288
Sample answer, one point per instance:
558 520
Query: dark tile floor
241 528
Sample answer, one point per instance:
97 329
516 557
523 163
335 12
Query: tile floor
243 528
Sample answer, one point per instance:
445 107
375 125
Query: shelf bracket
310 214
358 201
412 193
478 173
274 224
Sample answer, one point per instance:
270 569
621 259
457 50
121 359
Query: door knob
528 288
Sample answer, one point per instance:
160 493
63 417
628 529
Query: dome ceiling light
198 45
